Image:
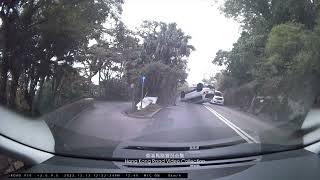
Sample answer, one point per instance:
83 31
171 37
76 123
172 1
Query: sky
201 19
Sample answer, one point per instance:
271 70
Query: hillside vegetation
273 70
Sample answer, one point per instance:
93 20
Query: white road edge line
242 131
238 130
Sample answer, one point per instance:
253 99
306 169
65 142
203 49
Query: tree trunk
13 90
3 83
4 65
36 101
29 95
30 91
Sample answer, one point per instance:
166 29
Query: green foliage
224 80
162 58
45 59
115 89
278 50
73 87
162 81
241 60
292 50
166 43
278 39
262 15
41 37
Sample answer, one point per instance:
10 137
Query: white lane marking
232 127
238 130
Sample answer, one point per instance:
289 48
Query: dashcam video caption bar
97 175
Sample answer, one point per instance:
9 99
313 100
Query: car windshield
126 78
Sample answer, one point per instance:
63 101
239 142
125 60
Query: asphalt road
106 126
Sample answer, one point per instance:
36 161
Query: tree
277 53
162 81
39 36
209 81
241 61
292 50
264 14
165 43
163 59
259 20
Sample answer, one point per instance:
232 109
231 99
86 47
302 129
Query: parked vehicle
199 94
218 98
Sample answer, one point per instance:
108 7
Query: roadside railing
63 115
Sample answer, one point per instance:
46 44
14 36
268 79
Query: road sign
143 78
132 86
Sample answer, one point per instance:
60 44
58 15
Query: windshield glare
106 78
